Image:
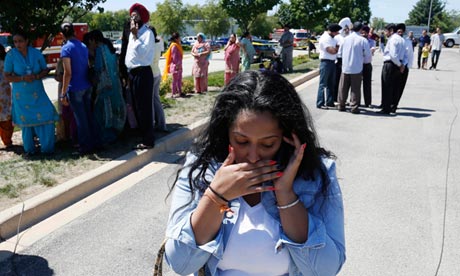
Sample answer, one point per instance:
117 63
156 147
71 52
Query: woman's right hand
235 180
65 101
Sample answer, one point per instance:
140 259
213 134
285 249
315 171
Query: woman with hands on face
257 194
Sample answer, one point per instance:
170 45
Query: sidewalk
50 202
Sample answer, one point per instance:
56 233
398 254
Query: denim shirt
322 254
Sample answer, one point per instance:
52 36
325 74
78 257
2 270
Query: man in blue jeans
328 49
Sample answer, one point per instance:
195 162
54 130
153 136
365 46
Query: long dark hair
259 92
98 36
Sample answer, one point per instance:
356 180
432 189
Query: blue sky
390 10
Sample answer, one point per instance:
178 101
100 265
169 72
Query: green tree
356 10
168 17
214 21
304 13
108 21
245 12
42 18
421 12
378 23
264 25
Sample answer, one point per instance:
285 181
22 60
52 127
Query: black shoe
355 111
393 110
341 109
383 112
164 130
323 107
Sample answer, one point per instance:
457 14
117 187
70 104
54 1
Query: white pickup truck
453 38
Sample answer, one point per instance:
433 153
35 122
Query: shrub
314 56
188 86
165 87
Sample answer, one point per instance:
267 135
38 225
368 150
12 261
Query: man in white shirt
367 67
354 50
393 67
346 24
407 61
327 54
139 57
436 45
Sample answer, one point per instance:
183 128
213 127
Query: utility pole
429 15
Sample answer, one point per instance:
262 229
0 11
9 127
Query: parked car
301 37
185 42
222 40
263 51
189 40
215 46
453 38
117 46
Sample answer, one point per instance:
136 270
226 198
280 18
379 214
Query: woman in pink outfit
201 51
232 58
174 57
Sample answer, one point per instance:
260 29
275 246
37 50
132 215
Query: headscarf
143 12
204 42
168 57
345 23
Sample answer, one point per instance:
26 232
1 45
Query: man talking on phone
139 56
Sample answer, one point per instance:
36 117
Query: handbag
158 269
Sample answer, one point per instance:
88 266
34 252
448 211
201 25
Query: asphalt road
397 174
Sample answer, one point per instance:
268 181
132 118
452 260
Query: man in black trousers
421 42
393 67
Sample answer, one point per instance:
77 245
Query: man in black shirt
421 42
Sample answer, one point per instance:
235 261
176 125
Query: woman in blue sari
109 105
32 110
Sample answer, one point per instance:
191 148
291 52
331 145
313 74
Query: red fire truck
53 51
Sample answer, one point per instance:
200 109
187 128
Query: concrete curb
24 215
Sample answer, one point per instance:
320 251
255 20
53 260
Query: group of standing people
349 53
427 45
93 92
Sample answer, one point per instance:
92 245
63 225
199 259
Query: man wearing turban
139 57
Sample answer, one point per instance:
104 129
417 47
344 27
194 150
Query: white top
371 44
251 246
141 50
156 59
325 41
409 57
339 38
395 49
436 42
354 50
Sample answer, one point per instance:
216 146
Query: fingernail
279 174
271 189
272 162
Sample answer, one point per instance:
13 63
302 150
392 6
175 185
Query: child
262 67
276 65
425 53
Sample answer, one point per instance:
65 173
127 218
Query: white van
189 40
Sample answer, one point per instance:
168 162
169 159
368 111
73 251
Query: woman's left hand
285 182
